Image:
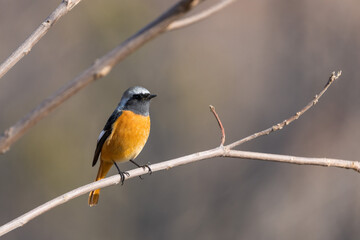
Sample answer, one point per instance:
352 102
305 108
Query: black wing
107 131
99 145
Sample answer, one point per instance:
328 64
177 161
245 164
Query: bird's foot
143 166
148 167
122 174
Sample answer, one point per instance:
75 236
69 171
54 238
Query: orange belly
129 135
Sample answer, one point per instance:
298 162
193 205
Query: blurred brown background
257 62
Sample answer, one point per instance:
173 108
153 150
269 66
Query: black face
142 97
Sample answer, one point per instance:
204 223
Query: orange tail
103 170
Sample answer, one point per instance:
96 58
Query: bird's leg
143 166
122 174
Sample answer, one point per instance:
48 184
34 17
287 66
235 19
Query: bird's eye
137 96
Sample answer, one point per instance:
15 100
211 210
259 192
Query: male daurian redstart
124 134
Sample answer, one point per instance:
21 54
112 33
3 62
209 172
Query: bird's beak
152 96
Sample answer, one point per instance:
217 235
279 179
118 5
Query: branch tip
334 76
212 109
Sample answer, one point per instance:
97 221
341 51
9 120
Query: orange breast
129 135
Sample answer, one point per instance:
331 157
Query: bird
124 135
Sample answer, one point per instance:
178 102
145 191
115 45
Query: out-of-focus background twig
256 61
64 7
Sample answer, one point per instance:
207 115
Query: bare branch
286 122
200 16
64 7
216 152
212 109
99 69
323 162
22 220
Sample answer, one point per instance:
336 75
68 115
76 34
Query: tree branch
221 151
216 152
200 16
323 162
99 69
64 7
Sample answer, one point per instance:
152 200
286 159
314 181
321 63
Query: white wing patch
101 134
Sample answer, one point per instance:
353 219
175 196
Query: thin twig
200 16
99 69
212 109
216 152
286 122
64 7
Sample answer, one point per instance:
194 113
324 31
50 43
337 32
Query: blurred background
257 62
